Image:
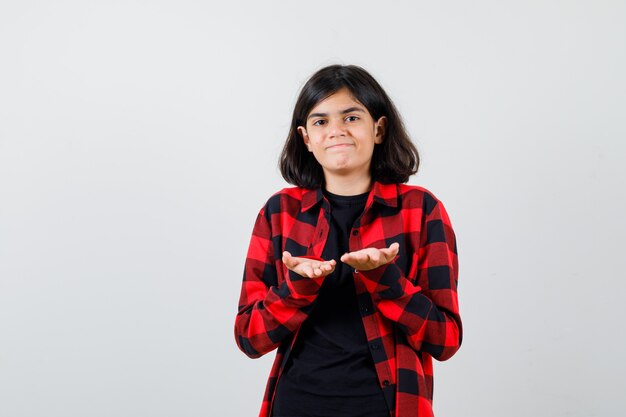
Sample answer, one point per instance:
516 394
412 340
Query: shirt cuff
303 287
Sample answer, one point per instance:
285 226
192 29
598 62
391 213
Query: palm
309 268
371 258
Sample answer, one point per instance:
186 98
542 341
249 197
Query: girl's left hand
371 258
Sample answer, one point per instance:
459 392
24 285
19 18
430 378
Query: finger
288 260
307 270
394 248
349 258
331 267
351 263
375 257
391 251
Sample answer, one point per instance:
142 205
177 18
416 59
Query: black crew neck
336 199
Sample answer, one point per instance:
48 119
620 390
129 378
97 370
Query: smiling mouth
339 145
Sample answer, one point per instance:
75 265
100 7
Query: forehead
336 102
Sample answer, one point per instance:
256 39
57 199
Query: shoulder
293 192
287 199
415 196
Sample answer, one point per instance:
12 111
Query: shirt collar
310 197
385 194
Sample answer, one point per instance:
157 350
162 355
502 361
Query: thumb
392 250
288 259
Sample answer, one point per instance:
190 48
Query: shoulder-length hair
393 161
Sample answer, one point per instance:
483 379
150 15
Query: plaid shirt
409 307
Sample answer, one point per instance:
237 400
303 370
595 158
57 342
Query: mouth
339 146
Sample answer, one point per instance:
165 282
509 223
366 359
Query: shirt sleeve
274 301
424 306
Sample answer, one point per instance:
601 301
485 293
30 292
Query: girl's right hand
308 268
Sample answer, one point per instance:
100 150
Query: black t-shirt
330 371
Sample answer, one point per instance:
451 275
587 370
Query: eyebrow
346 111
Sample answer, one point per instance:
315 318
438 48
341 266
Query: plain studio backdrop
139 139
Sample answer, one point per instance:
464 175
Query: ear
380 127
305 137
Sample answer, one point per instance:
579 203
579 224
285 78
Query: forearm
431 322
268 315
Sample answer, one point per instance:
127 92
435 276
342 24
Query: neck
348 185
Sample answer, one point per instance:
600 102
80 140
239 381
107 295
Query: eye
352 118
319 122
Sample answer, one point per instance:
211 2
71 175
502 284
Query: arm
425 306
271 309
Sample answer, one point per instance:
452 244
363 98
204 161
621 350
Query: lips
339 146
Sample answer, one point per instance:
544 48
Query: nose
336 128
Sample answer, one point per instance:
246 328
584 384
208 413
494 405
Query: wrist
303 287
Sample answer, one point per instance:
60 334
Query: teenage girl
351 274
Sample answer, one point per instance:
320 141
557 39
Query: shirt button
375 346
386 383
365 309
355 232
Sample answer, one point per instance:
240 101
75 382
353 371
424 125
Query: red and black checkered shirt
409 307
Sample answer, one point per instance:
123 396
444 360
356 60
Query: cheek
315 141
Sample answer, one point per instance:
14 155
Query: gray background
138 139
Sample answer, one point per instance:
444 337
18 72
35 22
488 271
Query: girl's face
341 134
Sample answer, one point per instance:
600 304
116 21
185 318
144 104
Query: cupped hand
371 258
309 268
